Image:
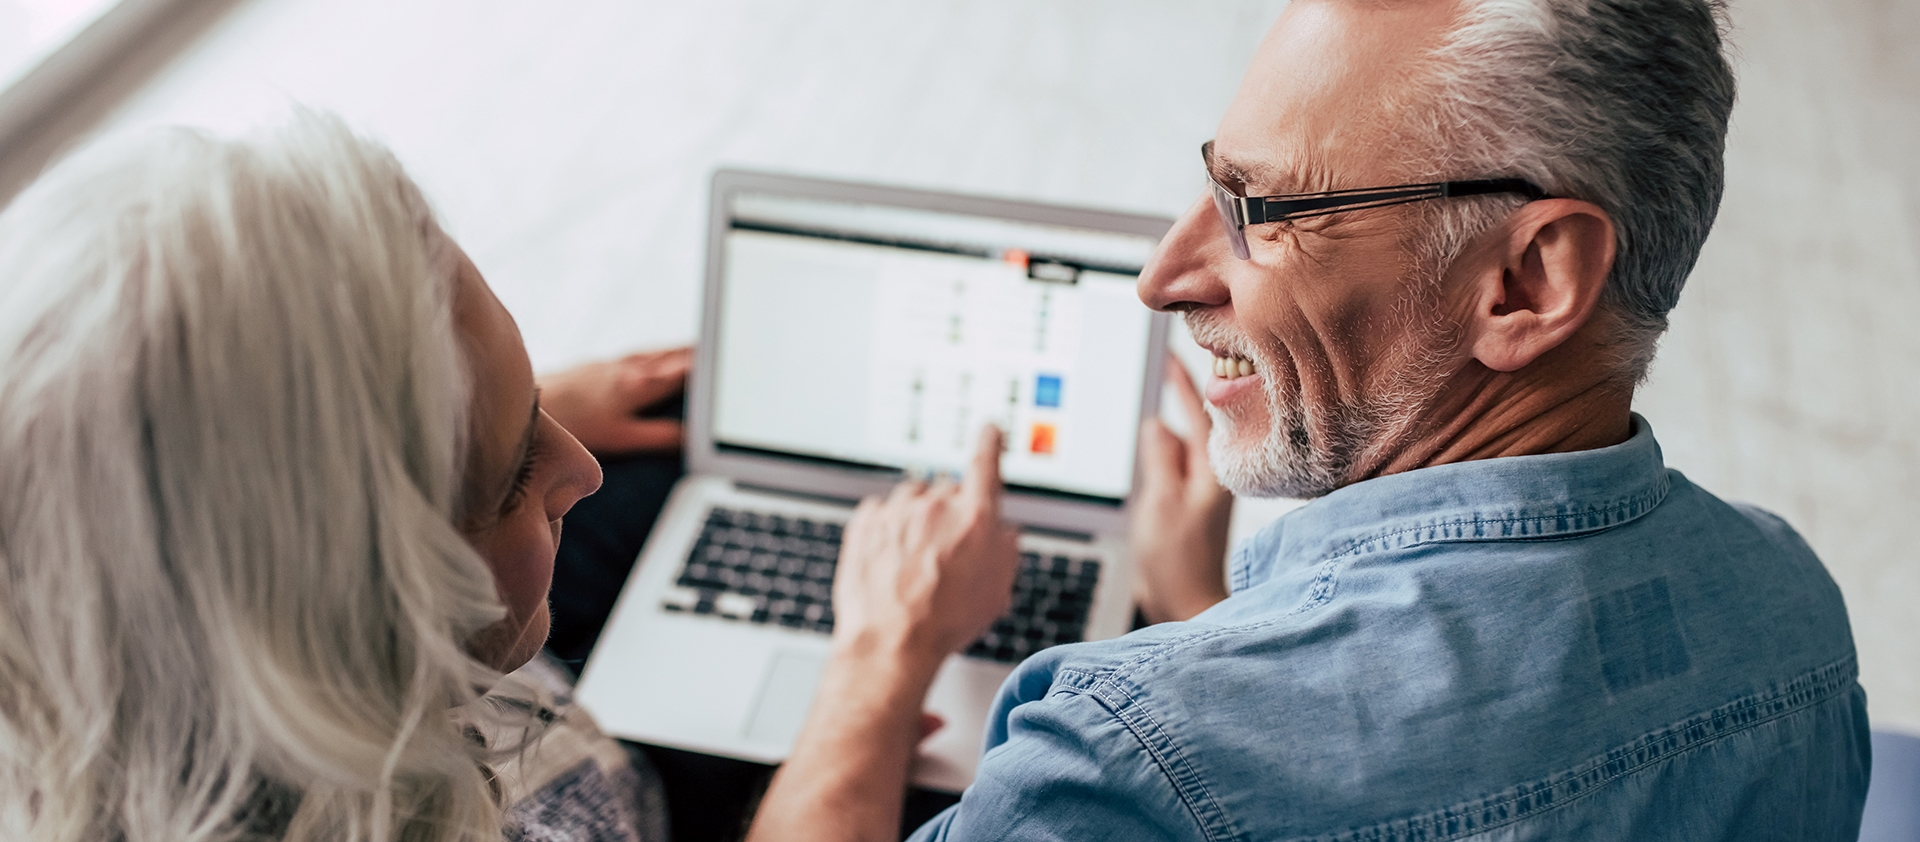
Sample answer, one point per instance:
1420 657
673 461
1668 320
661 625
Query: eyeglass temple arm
1485 186
1255 210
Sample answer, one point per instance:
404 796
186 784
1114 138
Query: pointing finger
908 489
982 483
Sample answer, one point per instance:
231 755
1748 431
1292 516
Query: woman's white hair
233 600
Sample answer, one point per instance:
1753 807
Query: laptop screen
881 336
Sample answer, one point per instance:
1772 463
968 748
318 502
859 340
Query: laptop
855 334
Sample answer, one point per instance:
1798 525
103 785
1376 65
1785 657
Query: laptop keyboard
770 569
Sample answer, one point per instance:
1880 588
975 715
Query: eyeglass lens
1236 235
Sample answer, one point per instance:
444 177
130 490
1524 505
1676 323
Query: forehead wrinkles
1360 144
1286 170
1358 118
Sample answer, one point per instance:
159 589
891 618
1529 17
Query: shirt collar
1508 498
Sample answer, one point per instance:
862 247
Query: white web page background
893 356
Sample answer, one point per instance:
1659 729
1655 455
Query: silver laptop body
853 334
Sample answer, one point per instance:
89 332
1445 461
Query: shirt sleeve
1067 769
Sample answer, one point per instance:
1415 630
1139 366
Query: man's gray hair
1622 103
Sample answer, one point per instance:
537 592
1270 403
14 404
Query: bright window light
30 30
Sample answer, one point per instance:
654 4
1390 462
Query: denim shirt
1565 646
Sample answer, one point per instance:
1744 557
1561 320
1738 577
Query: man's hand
920 575
599 403
927 570
1179 530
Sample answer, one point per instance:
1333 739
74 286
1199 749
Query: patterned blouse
573 783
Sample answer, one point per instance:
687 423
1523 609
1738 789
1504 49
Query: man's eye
1274 232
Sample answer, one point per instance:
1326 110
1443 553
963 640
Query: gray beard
1310 452
1286 461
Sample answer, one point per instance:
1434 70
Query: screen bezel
832 478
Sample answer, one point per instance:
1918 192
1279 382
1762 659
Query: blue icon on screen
1046 390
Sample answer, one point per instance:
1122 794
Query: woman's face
524 473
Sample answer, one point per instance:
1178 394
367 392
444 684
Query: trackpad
785 694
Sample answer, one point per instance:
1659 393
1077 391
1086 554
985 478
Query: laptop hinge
801 495
1030 529
1052 532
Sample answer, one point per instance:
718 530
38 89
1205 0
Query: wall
1789 378
568 147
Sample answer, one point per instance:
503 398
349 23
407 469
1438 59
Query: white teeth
1229 368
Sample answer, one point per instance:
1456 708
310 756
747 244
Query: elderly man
1441 242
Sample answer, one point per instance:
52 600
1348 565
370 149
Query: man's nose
1179 276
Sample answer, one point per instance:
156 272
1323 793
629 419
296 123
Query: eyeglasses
1238 212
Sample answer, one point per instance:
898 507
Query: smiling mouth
1227 367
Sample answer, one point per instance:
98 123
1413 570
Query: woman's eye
521 481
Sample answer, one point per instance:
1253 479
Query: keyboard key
705 583
734 606
680 599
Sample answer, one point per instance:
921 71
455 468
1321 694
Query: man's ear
1536 280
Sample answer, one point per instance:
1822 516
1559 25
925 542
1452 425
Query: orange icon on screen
1042 439
1015 257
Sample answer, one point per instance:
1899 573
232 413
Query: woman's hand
925 571
600 402
1179 530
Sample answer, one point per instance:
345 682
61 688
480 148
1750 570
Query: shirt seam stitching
1159 749
1326 583
1647 501
1821 684
1813 687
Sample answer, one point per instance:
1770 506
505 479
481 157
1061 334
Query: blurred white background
30 29
568 144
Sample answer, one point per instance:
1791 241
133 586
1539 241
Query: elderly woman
278 507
